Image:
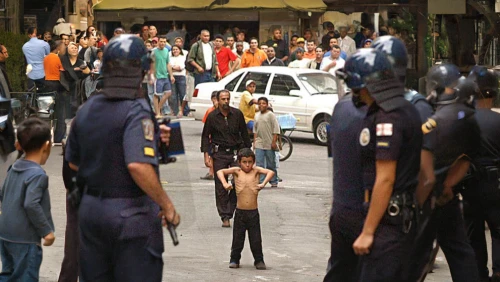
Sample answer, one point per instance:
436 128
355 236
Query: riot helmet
439 78
466 90
370 68
486 80
396 52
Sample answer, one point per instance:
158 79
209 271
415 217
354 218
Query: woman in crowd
75 71
179 87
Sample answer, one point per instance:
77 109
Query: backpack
187 65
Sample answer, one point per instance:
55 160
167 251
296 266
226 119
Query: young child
210 174
25 215
246 217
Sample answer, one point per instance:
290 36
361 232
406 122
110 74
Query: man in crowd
333 62
365 33
300 62
230 42
253 57
164 76
3 58
91 52
325 41
224 57
240 37
279 45
346 43
82 48
152 31
238 51
65 39
35 51
272 60
203 58
311 52
47 36
334 41
316 63
145 32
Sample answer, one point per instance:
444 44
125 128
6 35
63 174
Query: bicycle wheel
286 148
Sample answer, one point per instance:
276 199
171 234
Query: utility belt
225 149
400 211
122 192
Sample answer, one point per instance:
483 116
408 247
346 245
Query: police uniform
424 109
394 135
347 214
482 193
121 235
224 136
451 133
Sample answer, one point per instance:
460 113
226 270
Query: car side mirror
296 93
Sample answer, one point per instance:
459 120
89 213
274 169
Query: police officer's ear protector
147 60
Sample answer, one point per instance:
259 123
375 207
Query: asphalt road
294 219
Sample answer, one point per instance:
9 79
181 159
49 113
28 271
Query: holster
76 191
401 210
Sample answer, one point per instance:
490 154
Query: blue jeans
20 262
267 159
203 77
178 93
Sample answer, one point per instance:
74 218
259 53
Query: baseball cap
301 39
301 50
249 82
154 39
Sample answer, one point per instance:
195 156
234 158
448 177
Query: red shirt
224 56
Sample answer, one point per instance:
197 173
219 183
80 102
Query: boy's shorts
162 86
250 125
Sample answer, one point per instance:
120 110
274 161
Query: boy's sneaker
274 185
260 265
226 223
234 265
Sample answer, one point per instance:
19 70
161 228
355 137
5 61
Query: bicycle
33 104
287 122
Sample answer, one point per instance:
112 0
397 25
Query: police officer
224 133
453 137
347 214
481 191
113 145
389 144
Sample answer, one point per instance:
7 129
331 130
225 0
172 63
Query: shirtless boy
246 178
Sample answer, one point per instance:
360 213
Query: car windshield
319 83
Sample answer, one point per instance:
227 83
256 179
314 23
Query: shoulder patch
364 137
429 126
148 151
384 129
148 129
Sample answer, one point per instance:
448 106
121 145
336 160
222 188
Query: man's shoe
234 265
207 177
274 185
260 265
226 223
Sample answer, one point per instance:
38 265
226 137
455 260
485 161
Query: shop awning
299 5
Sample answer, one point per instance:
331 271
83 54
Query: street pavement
294 219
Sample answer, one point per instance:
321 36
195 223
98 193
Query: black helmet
466 90
365 66
125 50
440 77
486 80
396 52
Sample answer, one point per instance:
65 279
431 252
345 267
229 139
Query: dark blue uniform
451 133
482 194
395 135
347 214
423 107
120 232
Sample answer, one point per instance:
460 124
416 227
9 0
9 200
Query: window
231 85
2 5
282 84
260 79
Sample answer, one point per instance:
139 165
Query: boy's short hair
263 99
32 134
246 153
214 94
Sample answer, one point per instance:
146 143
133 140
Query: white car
310 95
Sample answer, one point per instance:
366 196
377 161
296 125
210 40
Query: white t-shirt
178 61
328 60
246 46
207 55
299 64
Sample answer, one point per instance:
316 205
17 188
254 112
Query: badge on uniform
364 137
383 145
148 151
429 126
148 129
384 129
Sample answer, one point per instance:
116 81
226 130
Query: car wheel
320 130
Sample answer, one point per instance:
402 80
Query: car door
261 80
284 103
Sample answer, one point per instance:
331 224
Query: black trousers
446 224
388 260
247 220
70 264
345 227
61 108
225 201
121 240
482 203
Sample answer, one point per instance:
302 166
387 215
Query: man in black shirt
481 193
271 59
224 133
280 46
